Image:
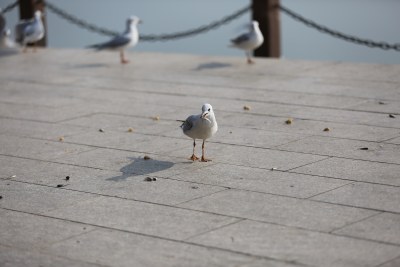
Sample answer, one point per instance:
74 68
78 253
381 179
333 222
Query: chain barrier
337 34
9 7
150 37
213 25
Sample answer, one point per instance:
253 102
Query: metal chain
340 35
150 37
9 7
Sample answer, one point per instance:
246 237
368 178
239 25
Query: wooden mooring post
27 9
266 12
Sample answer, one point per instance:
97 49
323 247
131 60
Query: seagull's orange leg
203 159
123 59
193 157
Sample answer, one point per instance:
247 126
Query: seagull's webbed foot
203 159
193 157
249 61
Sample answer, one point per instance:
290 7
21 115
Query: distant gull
30 31
120 42
249 41
5 41
201 126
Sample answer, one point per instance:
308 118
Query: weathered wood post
266 12
27 9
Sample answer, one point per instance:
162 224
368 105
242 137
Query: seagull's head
207 111
133 20
38 14
254 25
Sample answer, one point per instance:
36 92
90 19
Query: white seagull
129 38
249 41
5 41
201 126
30 31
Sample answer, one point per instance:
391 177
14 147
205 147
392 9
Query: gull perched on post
201 126
129 38
30 31
249 41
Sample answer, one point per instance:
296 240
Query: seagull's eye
209 109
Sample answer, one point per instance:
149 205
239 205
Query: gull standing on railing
120 42
30 31
249 41
201 126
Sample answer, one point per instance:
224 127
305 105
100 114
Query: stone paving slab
327 203
383 227
353 149
280 210
312 248
261 180
355 170
140 217
381 197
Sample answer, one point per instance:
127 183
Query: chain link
337 34
150 37
9 7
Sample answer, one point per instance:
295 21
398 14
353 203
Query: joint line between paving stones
384 263
351 223
157 237
306 164
214 229
321 193
203 196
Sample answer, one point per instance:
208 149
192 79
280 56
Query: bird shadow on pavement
212 65
140 166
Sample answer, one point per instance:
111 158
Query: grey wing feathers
240 39
113 43
188 123
20 29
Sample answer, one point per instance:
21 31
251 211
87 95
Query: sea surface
369 19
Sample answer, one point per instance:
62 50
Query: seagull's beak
204 115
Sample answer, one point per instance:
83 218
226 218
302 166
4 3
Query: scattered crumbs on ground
146 157
273 169
13 176
67 178
61 139
60 185
130 130
101 130
363 148
392 116
327 130
154 179
246 107
381 103
230 132
195 187
148 179
155 118
1 197
289 121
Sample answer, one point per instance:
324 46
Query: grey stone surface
301 246
391 263
12 257
383 227
280 210
346 148
261 180
163 221
25 231
252 157
195 213
37 199
356 170
114 248
380 197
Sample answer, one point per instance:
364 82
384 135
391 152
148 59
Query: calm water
376 20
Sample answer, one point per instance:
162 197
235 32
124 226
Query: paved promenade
307 175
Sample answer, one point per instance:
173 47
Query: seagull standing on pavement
30 31
249 41
120 42
201 126
5 41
